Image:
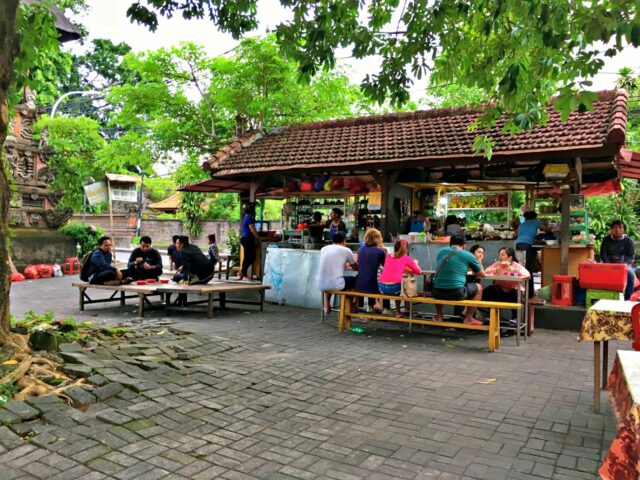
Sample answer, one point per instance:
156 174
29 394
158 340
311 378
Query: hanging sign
96 193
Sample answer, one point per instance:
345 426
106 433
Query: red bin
562 290
603 276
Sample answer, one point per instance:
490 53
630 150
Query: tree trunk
8 53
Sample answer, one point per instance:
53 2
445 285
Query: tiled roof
415 137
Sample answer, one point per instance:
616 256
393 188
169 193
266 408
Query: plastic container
164 281
562 290
603 276
141 282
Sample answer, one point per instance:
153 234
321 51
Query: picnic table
165 291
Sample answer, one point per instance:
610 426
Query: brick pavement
279 395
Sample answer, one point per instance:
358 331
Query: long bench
122 292
494 308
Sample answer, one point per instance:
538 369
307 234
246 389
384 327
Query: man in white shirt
333 259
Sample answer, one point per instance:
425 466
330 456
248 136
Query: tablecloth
607 320
623 459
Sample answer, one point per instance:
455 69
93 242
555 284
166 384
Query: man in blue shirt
450 281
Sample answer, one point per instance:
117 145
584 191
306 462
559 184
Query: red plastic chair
71 266
635 320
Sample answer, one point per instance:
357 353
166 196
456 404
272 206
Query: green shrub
85 238
233 243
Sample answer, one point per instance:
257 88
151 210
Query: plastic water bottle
357 330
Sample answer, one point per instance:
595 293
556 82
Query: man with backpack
98 269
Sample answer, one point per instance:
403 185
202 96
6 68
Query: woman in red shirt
390 281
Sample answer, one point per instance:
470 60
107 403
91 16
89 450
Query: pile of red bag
38 271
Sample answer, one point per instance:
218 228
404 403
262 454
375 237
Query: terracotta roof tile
415 136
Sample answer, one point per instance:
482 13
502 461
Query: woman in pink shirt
390 281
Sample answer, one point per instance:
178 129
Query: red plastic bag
44 270
30 272
17 277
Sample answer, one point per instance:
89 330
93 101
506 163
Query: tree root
32 386
18 342
19 372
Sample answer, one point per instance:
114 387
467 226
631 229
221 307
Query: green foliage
115 331
7 391
621 206
76 145
223 206
191 204
88 240
518 52
632 85
159 188
233 243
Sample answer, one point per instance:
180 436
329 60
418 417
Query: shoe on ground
388 311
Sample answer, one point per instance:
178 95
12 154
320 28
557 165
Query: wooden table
523 314
605 320
623 457
165 290
209 290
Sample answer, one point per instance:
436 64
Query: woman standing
390 282
370 258
335 223
248 237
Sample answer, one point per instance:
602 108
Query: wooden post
385 179
565 233
113 237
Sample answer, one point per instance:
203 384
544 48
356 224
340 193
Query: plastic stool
71 266
594 295
562 290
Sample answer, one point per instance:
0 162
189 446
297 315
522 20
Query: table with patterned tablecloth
623 458
605 320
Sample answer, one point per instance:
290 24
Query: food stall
416 158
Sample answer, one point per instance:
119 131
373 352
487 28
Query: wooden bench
142 292
494 313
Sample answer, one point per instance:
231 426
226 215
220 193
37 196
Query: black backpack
85 266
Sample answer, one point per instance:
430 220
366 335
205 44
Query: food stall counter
550 260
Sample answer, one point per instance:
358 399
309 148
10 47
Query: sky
107 19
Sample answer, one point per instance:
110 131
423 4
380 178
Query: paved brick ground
279 395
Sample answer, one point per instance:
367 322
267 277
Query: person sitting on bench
501 290
196 269
145 262
450 281
101 269
333 259
617 247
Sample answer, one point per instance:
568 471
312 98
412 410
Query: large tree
519 52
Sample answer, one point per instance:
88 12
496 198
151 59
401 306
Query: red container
603 276
562 290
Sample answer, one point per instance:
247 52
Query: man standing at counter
333 259
617 247
450 279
